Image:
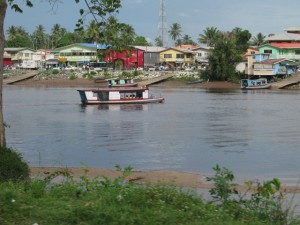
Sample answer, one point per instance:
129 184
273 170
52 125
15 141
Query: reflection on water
115 107
252 133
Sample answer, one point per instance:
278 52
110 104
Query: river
253 133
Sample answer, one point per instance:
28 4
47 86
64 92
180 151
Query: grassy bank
62 199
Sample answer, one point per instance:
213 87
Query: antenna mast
162 24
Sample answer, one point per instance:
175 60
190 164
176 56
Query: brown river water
253 133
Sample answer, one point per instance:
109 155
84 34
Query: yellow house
79 53
18 55
177 58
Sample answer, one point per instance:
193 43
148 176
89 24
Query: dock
294 79
15 79
156 79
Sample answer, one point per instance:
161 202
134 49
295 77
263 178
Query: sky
194 16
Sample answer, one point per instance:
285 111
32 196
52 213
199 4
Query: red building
7 61
129 59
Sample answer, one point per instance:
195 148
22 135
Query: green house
281 50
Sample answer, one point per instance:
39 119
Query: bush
72 77
12 166
55 71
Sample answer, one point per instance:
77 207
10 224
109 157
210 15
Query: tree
241 38
18 37
227 52
39 37
14 31
158 41
187 40
3 7
92 32
68 39
57 32
258 40
141 41
100 10
19 42
210 36
175 31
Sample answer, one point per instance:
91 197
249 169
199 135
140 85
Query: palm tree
175 31
57 32
93 32
187 40
209 36
11 32
39 37
14 31
127 35
258 40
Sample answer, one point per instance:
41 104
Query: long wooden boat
247 84
121 82
194 81
118 96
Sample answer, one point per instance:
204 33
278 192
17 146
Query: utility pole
162 24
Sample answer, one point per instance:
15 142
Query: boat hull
118 96
135 101
124 85
267 86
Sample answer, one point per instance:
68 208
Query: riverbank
81 82
164 177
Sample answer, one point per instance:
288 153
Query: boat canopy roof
117 89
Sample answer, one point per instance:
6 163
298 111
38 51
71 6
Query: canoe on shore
194 81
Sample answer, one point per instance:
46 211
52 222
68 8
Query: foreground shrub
12 166
264 200
118 201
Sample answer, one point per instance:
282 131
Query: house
78 53
18 55
127 59
151 55
177 57
201 55
282 50
291 35
260 65
242 66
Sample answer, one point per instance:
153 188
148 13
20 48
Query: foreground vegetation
62 199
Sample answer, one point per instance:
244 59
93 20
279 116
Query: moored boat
194 81
118 96
121 82
247 84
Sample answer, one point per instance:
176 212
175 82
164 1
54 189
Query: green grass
105 201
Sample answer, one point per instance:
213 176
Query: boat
247 84
121 82
118 96
194 81
99 80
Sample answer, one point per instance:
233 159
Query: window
268 51
167 56
26 54
179 56
297 51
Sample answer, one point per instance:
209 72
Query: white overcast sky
266 16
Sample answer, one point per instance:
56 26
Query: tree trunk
3 6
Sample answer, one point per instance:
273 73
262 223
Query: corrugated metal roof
92 45
285 45
284 37
150 48
271 61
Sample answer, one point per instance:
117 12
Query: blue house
261 65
